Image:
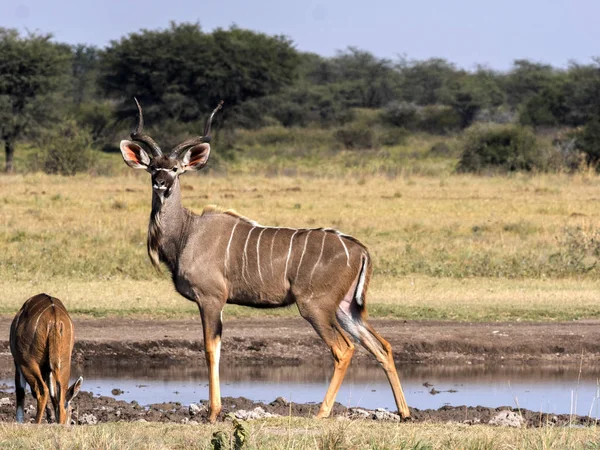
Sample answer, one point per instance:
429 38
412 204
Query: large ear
74 390
196 157
134 155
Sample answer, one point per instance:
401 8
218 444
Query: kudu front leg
212 328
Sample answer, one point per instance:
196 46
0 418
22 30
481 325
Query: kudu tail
55 338
364 277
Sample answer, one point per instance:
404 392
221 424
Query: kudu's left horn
179 150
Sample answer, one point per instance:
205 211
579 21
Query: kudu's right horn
136 135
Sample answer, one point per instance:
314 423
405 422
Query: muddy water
557 390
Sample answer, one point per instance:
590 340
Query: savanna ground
456 257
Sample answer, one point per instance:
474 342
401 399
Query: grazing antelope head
41 342
222 257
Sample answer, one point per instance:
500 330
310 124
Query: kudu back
41 342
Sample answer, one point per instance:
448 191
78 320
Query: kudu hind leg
20 385
342 350
378 347
212 329
38 389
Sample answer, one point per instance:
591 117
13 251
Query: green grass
295 433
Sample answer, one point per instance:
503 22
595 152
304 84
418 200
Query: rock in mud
378 414
507 419
256 413
116 391
382 414
5 401
87 419
196 409
359 413
280 401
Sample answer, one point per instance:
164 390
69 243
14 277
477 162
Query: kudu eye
174 169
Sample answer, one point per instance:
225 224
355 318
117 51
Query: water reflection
554 389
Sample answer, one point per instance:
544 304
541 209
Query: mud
284 342
89 409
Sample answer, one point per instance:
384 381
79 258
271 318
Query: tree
31 70
527 79
181 73
427 82
582 96
589 142
471 92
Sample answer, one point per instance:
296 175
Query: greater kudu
221 257
41 342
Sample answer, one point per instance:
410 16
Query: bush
401 114
97 117
436 119
440 149
390 137
506 148
355 136
65 149
589 141
439 119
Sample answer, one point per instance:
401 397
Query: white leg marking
228 247
318 261
288 256
51 383
244 256
345 249
272 243
258 254
303 251
217 354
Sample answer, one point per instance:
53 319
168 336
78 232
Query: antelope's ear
74 389
196 157
134 155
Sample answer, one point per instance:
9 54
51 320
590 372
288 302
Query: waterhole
549 389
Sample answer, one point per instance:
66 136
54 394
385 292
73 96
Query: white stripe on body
258 255
228 247
244 256
272 243
318 261
345 249
39 316
303 251
288 256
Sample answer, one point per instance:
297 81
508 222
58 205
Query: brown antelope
221 257
41 341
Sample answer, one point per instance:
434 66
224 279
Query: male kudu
41 342
221 257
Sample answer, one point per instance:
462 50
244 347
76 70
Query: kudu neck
167 225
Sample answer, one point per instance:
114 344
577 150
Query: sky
465 32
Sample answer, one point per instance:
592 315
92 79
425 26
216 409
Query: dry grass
414 297
296 433
457 247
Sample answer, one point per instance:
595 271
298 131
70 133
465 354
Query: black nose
160 183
